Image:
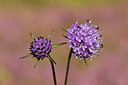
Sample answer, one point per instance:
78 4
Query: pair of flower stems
85 42
52 62
67 70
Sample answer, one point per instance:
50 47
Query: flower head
85 40
40 47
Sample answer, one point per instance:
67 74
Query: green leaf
50 58
26 56
32 36
50 35
36 63
56 45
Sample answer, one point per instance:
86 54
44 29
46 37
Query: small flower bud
40 48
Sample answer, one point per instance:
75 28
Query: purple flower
85 40
40 47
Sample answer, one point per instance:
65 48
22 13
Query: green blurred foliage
34 2
5 76
41 3
84 3
24 2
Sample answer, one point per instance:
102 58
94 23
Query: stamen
89 21
79 27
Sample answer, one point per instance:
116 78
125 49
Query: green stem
68 64
53 71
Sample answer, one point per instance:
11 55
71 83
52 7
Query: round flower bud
40 47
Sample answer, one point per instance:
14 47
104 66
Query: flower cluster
85 40
40 47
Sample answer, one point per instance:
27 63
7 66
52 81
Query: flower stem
53 71
68 64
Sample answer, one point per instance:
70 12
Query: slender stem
53 71
68 64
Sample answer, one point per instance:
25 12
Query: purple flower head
40 47
85 40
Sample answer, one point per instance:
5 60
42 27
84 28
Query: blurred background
20 17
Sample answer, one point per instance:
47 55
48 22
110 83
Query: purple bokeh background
18 20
